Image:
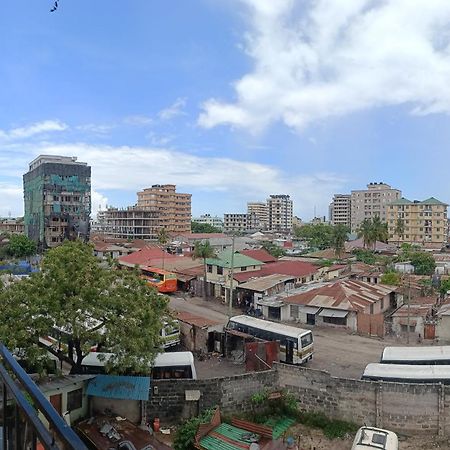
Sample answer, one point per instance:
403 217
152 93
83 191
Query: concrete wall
131 409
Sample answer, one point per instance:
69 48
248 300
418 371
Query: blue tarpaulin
119 387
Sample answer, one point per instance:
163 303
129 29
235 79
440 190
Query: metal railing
22 427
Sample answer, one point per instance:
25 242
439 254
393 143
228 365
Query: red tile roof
199 235
349 295
145 256
296 269
260 255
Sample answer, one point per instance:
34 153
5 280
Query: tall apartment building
371 202
340 210
424 222
236 223
207 219
172 206
158 207
280 209
258 215
57 195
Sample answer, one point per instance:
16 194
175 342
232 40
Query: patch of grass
331 428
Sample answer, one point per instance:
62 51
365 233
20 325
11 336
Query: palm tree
204 250
163 239
338 238
399 230
365 231
379 230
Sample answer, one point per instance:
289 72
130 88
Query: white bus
426 355
171 365
296 344
404 373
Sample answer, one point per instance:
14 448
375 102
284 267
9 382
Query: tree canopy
20 246
197 227
318 236
338 237
391 278
87 304
273 249
373 230
423 262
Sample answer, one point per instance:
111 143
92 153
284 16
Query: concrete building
236 223
340 210
12 226
173 208
425 222
280 209
258 215
207 219
57 194
371 202
158 207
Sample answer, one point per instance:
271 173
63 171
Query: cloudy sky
230 100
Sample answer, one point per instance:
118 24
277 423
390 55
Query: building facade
12 226
340 210
371 202
207 219
159 207
280 211
57 195
424 222
235 223
173 208
258 215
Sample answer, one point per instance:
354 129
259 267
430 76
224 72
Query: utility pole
409 307
231 273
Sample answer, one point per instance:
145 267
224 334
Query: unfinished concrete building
57 194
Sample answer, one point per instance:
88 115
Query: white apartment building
235 222
340 210
280 208
214 221
371 202
257 215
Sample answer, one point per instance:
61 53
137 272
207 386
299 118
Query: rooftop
260 255
224 260
146 256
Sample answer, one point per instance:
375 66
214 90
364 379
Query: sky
231 100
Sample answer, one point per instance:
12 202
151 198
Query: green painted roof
401 201
224 260
433 201
229 432
428 201
279 426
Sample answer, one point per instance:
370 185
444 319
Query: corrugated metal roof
119 387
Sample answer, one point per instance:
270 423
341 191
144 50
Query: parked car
375 438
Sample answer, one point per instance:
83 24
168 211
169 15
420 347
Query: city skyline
178 100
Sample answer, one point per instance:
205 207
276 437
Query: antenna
314 211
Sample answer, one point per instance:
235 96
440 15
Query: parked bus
425 355
404 373
296 344
173 365
161 279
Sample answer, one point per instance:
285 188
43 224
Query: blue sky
231 100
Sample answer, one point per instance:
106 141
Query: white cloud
98 202
138 120
176 109
331 58
45 126
11 200
95 128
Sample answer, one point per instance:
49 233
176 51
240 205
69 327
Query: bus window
306 340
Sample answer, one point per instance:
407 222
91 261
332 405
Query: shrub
185 435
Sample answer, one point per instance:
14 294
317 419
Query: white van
375 438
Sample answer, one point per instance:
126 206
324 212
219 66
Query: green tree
365 231
317 236
88 304
273 249
365 256
423 262
20 246
204 250
445 287
391 278
339 236
399 230
163 239
197 227
379 230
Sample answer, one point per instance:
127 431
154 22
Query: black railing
22 402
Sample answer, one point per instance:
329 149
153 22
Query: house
328 253
334 271
184 243
365 272
443 322
377 247
414 315
200 334
355 305
260 254
146 256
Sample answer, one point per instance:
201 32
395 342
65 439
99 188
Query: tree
197 227
445 287
273 249
365 231
89 304
20 246
339 236
163 239
423 262
399 230
391 278
318 236
379 230
204 251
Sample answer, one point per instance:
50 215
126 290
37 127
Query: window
243 269
74 399
294 311
307 339
219 270
209 268
335 320
371 308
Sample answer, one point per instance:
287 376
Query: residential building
371 202
235 223
340 210
12 226
280 209
207 219
424 222
258 215
173 208
57 194
159 207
